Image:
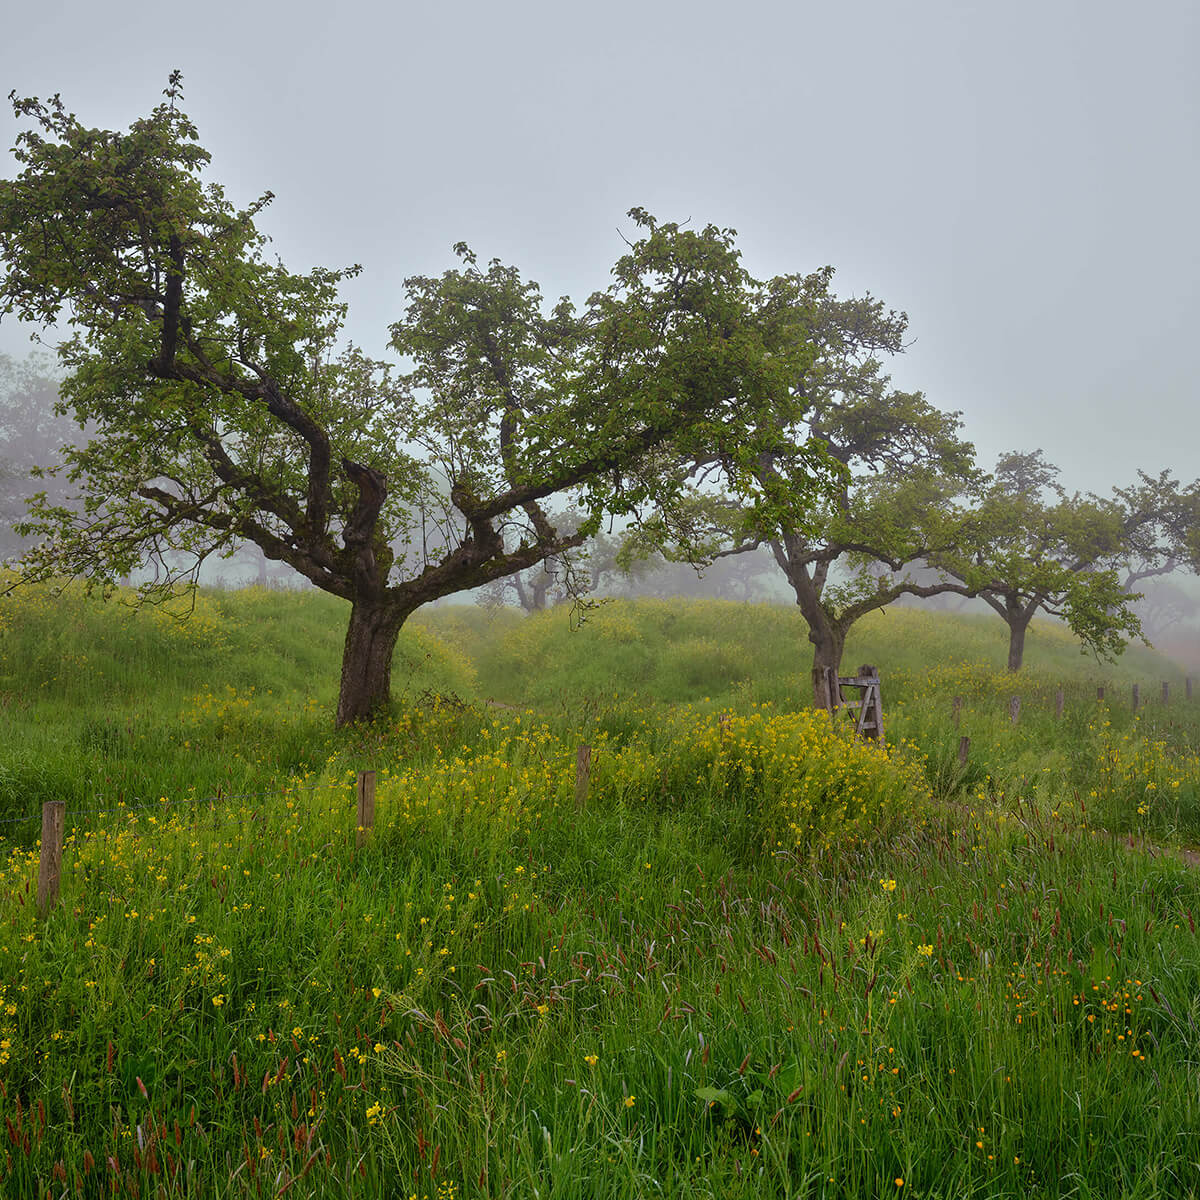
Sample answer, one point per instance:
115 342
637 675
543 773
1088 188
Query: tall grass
105 702
762 960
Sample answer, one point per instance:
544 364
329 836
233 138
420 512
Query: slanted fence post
870 715
365 788
50 866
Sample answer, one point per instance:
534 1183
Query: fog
1021 179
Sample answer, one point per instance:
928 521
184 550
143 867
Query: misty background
1022 181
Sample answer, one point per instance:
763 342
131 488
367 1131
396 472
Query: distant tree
32 438
223 411
1161 522
744 578
903 462
553 581
1029 547
1165 606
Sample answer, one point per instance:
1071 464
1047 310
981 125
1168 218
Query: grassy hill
759 959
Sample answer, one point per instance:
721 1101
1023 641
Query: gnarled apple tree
223 411
903 470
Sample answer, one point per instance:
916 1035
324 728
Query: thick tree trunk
367 659
827 635
829 643
1017 625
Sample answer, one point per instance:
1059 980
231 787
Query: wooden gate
869 720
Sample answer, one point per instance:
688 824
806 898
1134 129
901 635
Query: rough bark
828 635
367 659
1018 623
829 643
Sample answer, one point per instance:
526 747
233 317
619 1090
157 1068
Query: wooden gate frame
869 722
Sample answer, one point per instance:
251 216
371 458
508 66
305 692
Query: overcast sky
1020 178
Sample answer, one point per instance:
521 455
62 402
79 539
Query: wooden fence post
1166 692
1100 693
366 806
1135 697
870 711
826 691
1014 709
583 775
1058 703
50 866
956 709
964 750
1187 688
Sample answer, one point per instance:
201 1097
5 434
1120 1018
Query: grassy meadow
762 960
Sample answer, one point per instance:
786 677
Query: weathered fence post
583 774
1166 692
1058 703
50 866
366 806
1100 693
956 710
964 750
825 689
1135 697
1187 688
1014 709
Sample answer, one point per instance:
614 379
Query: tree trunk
1017 625
367 659
827 635
829 642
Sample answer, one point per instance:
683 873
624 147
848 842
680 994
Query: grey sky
1022 179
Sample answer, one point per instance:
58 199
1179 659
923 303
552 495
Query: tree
1161 522
32 437
644 570
553 581
1167 607
903 465
225 412
1028 546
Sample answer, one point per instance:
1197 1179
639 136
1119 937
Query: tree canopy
225 407
903 464
1029 546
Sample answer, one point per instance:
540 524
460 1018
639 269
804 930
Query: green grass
106 703
763 960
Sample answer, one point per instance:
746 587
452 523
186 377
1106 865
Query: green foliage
224 412
903 465
1028 546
